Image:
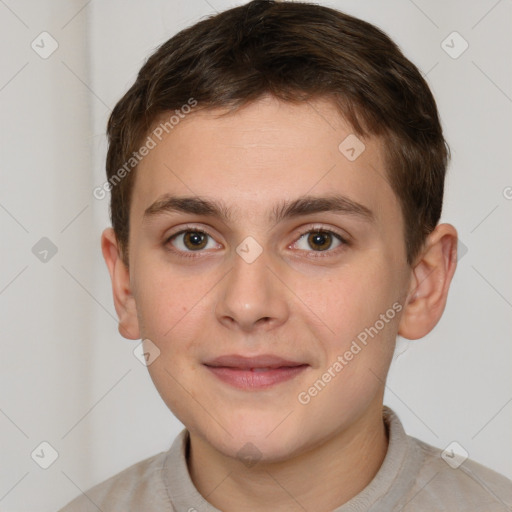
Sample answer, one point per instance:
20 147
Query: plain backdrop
70 380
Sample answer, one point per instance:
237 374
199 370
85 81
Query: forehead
261 154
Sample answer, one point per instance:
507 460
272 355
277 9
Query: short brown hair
295 52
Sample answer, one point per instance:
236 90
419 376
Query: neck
319 479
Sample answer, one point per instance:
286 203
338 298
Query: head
283 181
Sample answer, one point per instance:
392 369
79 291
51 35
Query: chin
253 439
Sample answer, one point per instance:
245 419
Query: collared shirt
414 477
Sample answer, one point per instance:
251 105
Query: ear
431 277
120 276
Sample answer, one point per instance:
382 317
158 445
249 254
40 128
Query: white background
67 377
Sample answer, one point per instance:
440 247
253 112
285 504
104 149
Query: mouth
254 373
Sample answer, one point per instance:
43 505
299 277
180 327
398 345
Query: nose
252 297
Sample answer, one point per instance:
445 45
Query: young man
277 179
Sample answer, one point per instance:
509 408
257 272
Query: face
268 268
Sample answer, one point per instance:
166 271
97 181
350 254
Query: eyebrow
286 209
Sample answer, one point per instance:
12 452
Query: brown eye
320 240
192 240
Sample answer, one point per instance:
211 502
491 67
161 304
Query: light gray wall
68 378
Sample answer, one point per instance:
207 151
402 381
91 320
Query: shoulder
447 481
135 488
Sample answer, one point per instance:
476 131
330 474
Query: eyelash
313 254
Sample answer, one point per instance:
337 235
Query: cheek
173 313
167 300
361 309
350 299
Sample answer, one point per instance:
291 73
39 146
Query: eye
192 240
319 240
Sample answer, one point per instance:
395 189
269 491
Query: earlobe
124 301
430 282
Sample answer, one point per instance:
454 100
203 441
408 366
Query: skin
293 301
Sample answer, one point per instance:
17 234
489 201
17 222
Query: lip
254 373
